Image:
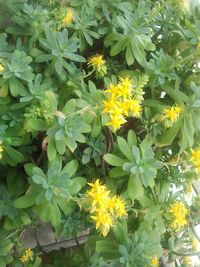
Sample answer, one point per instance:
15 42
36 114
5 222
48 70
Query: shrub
99 127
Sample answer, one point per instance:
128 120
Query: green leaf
2 262
132 138
106 246
37 262
129 55
27 200
188 127
135 189
96 129
71 143
125 149
70 168
15 155
69 107
119 46
171 243
121 232
28 167
51 150
117 172
76 186
14 86
60 146
65 206
44 58
37 124
40 180
136 153
113 160
168 137
147 179
55 215
4 251
44 211
58 65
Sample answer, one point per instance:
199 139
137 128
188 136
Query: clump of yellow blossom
28 255
170 115
154 261
195 244
68 18
187 261
98 64
121 102
41 112
104 208
195 159
179 215
1 150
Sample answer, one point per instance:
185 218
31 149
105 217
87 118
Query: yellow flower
112 90
28 254
109 105
111 205
1 68
96 185
103 221
24 258
172 113
195 244
119 207
187 261
116 121
68 18
154 261
179 213
96 61
98 198
135 108
125 87
195 158
104 208
98 193
124 107
98 64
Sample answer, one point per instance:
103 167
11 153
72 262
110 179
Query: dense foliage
99 127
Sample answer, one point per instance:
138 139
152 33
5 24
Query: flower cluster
154 261
195 159
28 255
98 64
170 115
68 18
104 208
41 113
122 101
179 215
